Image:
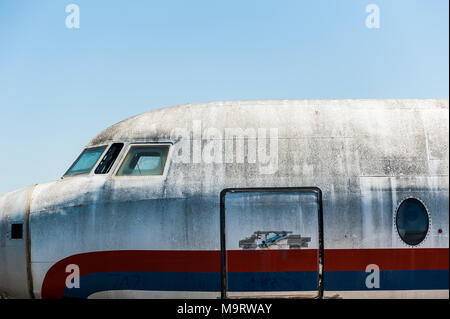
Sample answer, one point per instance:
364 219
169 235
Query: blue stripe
142 280
389 280
273 281
257 281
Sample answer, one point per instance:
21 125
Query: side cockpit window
108 160
144 160
86 161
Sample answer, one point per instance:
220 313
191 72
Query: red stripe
129 260
272 260
148 260
242 261
386 259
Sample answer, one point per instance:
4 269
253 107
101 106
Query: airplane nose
14 261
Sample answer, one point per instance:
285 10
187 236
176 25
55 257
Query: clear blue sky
59 87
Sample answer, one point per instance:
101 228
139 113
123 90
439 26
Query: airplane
243 199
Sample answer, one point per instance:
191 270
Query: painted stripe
256 282
139 280
129 261
206 282
343 268
389 280
273 281
386 259
148 260
272 260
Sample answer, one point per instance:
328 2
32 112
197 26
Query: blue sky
59 87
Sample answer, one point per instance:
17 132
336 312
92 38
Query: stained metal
366 156
28 242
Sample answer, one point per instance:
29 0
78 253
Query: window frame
427 212
107 146
116 160
126 149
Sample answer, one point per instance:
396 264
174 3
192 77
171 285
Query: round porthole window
412 221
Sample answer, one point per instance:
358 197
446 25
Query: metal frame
9 229
28 243
224 192
117 159
107 146
395 222
126 149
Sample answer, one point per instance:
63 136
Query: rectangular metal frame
224 192
126 149
106 146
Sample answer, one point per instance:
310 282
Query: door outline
223 250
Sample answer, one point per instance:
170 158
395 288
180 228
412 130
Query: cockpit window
144 160
109 159
86 161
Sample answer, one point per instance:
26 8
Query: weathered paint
298 272
28 242
13 260
365 155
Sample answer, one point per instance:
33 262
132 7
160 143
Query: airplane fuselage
343 198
